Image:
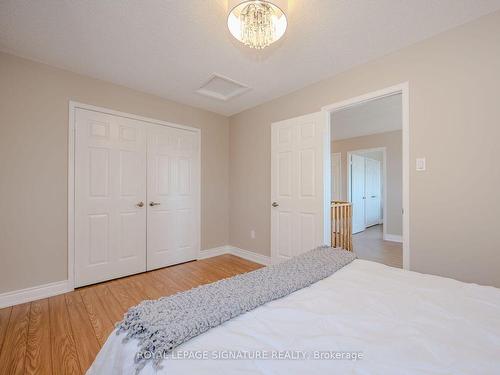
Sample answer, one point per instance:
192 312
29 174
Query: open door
297 185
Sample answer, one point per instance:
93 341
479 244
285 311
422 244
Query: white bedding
402 323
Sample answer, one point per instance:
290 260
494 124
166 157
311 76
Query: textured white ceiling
373 117
171 47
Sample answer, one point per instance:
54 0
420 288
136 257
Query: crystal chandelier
257 23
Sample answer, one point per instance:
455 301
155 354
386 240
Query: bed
366 318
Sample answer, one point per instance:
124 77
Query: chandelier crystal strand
257 27
257 23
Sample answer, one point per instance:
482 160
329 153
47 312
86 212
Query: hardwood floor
63 334
369 245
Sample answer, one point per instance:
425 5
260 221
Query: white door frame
404 90
384 179
73 106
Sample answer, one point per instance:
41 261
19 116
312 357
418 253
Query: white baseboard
36 292
245 254
213 252
393 238
251 256
16 297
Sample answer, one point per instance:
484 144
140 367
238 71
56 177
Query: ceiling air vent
222 88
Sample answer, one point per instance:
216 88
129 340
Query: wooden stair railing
341 214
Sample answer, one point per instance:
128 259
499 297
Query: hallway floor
369 245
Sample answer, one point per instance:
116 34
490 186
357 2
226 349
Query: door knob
275 204
152 204
140 204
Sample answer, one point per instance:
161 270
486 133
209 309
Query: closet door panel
173 196
110 181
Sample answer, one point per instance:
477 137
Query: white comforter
401 322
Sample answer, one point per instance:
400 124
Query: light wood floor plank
226 264
173 285
4 322
63 334
13 354
135 293
176 279
145 286
38 356
83 332
125 298
166 288
97 314
111 305
161 289
180 277
62 342
212 271
199 271
244 263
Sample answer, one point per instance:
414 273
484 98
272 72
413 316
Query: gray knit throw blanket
163 324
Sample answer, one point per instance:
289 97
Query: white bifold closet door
173 196
110 183
136 196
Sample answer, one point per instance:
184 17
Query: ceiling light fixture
257 23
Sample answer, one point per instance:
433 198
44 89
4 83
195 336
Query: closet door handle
140 204
152 204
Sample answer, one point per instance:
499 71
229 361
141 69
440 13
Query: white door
373 191
110 197
297 162
358 193
336 176
173 196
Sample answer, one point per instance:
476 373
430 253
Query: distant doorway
366 180
367 171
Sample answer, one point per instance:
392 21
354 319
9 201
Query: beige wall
454 120
33 164
393 142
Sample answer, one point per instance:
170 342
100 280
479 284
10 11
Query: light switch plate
420 164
